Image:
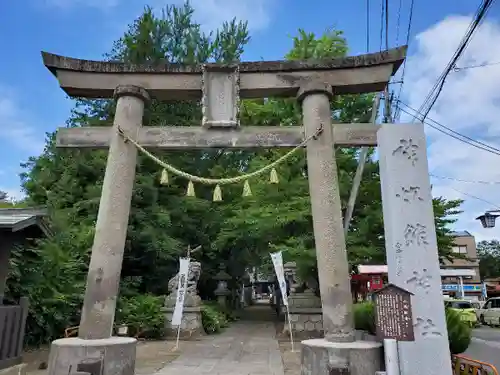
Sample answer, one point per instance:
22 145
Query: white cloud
209 13
14 127
212 13
469 103
17 138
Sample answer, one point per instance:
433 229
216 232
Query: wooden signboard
393 315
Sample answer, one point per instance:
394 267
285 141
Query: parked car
467 312
490 312
478 306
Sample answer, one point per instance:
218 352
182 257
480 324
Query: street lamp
488 219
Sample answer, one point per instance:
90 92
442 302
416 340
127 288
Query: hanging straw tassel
217 194
190 190
247 192
274 177
164 177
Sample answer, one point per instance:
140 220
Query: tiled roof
367 269
19 218
461 233
11 220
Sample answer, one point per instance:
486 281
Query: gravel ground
291 360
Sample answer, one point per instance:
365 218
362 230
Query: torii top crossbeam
347 75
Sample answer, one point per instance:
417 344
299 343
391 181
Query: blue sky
31 102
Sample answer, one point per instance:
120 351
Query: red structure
368 280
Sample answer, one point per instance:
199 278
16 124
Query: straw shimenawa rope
219 181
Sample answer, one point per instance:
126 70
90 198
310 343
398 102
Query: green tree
8 202
488 253
445 214
5 201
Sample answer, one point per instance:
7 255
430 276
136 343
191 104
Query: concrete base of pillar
14 370
111 356
321 357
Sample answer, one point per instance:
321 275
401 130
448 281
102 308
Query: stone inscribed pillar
411 245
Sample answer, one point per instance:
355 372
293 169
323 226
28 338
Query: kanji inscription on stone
393 315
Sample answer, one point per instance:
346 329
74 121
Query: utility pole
387 106
359 171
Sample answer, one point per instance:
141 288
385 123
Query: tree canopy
7 202
488 253
238 232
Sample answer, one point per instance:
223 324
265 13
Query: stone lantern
222 290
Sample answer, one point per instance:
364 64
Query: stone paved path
245 348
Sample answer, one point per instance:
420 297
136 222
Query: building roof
445 272
16 219
461 233
369 269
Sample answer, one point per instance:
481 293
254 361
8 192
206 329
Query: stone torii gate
220 88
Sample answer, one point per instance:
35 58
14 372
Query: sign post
484 291
394 322
277 259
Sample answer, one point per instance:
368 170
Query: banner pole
290 327
178 336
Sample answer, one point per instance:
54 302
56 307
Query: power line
475 197
459 69
453 136
452 133
398 22
382 12
387 107
438 86
468 194
387 24
408 31
367 25
433 95
465 181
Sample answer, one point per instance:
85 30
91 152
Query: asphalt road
485 346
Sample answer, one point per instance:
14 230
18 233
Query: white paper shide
181 291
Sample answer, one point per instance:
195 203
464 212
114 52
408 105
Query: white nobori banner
277 259
181 291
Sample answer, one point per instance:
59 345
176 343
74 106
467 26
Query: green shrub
459 332
364 317
213 318
142 314
229 314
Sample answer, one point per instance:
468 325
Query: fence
463 365
12 328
